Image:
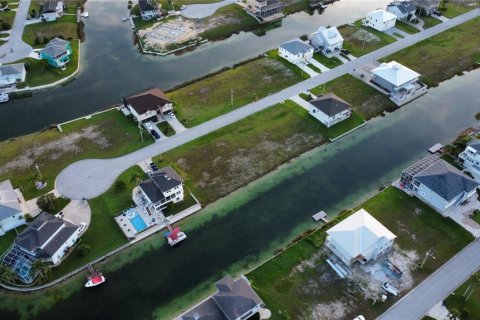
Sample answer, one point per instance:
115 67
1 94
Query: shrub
47 202
28 217
83 250
6 26
120 186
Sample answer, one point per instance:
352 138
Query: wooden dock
321 216
436 148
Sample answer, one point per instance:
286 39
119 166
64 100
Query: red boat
95 281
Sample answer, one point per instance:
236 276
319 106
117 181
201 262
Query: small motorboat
94 281
174 236
4 97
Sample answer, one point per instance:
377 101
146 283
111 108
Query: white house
395 78
52 10
329 41
360 237
11 214
265 8
163 186
438 183
403 10
12 73
296 51
148 11
148 104
330 109
471 157
380 20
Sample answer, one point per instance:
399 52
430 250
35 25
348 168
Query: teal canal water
252 222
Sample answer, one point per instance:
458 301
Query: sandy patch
364 35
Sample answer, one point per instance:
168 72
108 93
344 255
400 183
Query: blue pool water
138 223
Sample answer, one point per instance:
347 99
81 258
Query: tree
83 250
120 186
42 269
7 274
47 202
136 178
454 314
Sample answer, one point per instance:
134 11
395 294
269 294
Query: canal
245 227
112 67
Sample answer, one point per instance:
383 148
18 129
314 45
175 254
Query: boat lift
173 235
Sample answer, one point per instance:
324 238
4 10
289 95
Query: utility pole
469 295
231 97
38 170
364 39
141 131
427 254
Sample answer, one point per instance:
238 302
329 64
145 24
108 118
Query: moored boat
4 97
95 281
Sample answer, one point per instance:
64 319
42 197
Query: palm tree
41 268
7 274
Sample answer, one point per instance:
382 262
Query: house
12 73
438 183
146 105
427 7
360 237
330 109
57 52
471 157
265 9
403 10
52 10
296 51
328 40
234 300
380 20
11 214
163 186
148 10
395 78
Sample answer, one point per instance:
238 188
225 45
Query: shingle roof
330 104
395 73
207 310
404 6
50 6
145 5
475 144
147 100
63 235
12 69
151 190
382 15
161 181
445 180
296 47
9 205
55 47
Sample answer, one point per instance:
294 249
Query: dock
321 216
132 24
436 148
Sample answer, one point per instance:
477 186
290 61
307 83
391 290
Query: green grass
311 66
166 129
444 55
65 27
327 62
356 45
365 100
430 21
71 5
457 299
111 135
406 27
187 202
7 17
398 35
227 159
273 54
7 240
294 6
210 97
456 8
292 294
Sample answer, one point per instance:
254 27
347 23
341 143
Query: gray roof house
11 214
471 157
234 299
404 10
163 186
148 10
438 183
330 109
427 6
12 73
296 51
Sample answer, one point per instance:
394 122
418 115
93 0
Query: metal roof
395 73
296 46
9 205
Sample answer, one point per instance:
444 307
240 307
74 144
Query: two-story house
57 52
52 10
328 40
330 109
11 214
148 104
471 157
427 7
395 78
12 73
163 186
296 51
380 20
403 10
265 9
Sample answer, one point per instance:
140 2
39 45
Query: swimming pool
138 222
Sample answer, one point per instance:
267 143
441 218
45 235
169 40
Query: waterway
111 66
251 223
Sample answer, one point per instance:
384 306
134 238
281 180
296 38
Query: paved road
198 11
15 49
436 287
90 178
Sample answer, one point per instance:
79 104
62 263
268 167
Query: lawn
365 100
360 40
430 21
7 240
227 159
38 34
406 27
327 62
297 281
444 55
6 17
166 129
71 5
292 6
311 66
469 291
210 97
175 208
455 8
274 55
109 134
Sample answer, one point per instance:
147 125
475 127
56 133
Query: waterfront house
265 9
328 40
296 51
57 52
403 10
234 300
438 183
52 10
471 157
398 80
427 7
163 186
148 104
12 73
359 238
380 20
11 214
330 109
148 9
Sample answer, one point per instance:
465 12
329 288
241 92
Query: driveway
92 177
319 65
176 125
78 211
198 11
15 49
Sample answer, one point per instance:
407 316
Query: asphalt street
15 49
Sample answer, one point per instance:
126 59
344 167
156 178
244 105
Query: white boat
4 97
95 281
180 237
85 14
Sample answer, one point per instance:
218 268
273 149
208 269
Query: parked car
345 51
155 134
153 166
148 125
172 115
388 287
149 172
360 317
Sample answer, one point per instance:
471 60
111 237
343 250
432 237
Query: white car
148 125
183 7
388 287
360 317
172 115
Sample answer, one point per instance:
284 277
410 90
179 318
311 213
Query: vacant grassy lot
7 17
470 309
210 97
365 100
444 55
327 62
227 159
7 240
71 6
360 40
274 55
455 8
38 34
406 27
105 135
298 284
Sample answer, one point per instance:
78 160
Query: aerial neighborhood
258 159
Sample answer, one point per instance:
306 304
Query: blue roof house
57 52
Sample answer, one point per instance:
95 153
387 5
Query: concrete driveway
15 49
78 211
198 11
176 125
